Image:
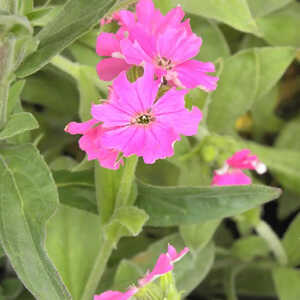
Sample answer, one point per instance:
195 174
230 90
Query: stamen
144 119
165 63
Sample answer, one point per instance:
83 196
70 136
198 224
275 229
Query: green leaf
12 288
279 28
268 72
191 271
127 273
212 36
286 138
63 163
126 221
26 6
256 73
283 163
163 5
221 116
291 242
14 96
247 248
74 240
288 204
76 189
54 90
9 5
73 20
41 16
169 206
234 13
256 281
263 115
260 8
287 283
83 54
17 124
197 236
28 199
15 23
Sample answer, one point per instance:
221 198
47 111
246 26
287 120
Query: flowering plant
129 126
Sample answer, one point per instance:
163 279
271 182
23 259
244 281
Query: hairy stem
6 62
267 233
127 180
98 269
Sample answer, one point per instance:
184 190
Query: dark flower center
165 63
144 119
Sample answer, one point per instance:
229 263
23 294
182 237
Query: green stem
4 87
229 283
230 286
66 65
266 232
98 269
127 180
108 245
6 62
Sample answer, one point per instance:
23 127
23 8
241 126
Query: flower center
144 119
165 63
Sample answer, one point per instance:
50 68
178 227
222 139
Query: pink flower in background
231 173
163 266
163 41
137 123
108 44
174 256
115 295
91 143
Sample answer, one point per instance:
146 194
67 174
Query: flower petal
192 74
163 266
147 87
169 109
107 44
159 141
80 128
109 68
135 53
174 256
111 114
235 177
116 295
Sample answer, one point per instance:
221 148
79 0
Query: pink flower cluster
136 119
163 265
231 173
165 42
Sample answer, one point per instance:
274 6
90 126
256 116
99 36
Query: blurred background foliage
255 46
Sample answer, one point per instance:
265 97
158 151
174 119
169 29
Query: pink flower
115 295
163 41
91 143
137 123
231 173
163 265
174 256
170 53
108 44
